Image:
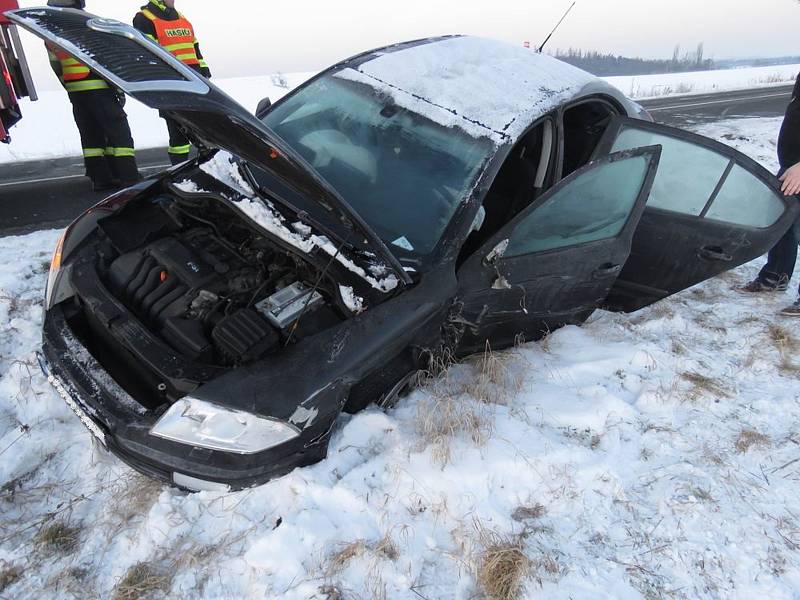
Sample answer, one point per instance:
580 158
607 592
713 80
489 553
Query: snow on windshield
487 88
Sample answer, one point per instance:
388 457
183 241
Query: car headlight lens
200 423
55 269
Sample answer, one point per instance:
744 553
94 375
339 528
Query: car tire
400 390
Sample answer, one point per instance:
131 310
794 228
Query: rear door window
694 170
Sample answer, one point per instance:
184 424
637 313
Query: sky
256 37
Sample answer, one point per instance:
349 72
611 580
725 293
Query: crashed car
209 325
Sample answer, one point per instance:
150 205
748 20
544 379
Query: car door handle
607 270
714 253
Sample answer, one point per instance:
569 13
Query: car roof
486 87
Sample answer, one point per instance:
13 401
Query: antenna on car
547 39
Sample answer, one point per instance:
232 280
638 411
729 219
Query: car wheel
399 390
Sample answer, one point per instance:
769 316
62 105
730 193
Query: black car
210 324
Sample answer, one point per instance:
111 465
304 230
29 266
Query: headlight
58 289
55 269
200 423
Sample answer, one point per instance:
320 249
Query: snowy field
704 82
53 112
654 455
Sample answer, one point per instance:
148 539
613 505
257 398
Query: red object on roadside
4 6
15 76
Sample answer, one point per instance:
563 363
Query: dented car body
210 324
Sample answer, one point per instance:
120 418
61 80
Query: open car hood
148 73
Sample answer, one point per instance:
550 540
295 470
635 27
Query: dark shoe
793 310
130 182
105 186
757 286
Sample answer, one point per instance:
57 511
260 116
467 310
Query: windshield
404 174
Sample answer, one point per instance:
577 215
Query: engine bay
210 286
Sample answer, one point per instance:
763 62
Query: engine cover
160 280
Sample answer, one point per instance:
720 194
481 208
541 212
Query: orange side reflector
163 276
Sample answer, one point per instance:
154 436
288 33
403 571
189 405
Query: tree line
601 64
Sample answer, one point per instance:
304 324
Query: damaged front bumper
125 431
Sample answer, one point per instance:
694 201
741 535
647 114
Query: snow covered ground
704 82
33 137
653 455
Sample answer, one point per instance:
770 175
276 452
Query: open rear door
711 209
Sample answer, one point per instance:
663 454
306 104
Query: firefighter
108 151
159 21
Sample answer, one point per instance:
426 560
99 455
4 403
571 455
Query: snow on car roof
485 87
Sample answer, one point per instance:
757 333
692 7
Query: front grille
124 57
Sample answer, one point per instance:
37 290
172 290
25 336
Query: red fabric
4 6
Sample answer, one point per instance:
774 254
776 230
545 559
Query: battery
284 306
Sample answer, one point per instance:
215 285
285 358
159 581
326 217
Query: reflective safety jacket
74 75
172 31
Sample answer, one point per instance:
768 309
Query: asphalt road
680 111
46 194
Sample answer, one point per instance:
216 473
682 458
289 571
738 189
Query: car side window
691 176
687 175
593 206
746 200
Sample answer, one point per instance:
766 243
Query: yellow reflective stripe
93 152
149 15
184 46
185 57
85 86
203 64
70 62
179 149
152 37
74 70
119 152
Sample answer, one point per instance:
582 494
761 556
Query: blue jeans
782 258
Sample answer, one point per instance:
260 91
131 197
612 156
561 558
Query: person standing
775 275
108 151
162 23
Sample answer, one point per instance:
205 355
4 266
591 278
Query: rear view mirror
263 108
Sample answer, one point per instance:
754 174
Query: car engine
218 293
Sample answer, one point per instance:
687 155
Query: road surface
680 111
46 194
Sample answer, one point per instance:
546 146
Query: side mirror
496 253
263 108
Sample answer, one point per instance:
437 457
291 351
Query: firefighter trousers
106 137
179 144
